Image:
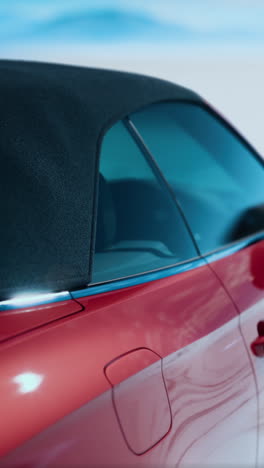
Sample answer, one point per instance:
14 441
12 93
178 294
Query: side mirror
251 221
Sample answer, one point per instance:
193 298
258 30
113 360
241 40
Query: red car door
242 274
218 180
154 369
186 396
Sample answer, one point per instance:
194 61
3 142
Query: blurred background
216 47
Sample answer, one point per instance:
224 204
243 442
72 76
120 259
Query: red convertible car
132 275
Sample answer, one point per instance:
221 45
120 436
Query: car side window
139 228
216 178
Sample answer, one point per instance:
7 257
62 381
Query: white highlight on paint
230 345
31 299
28 382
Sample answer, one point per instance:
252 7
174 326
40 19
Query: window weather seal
130 281
158 172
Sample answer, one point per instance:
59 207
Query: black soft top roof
52 121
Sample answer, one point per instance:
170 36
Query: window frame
244 241
199 259
146 154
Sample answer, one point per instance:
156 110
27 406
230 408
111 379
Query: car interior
134 236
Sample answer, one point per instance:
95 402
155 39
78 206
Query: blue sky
147 21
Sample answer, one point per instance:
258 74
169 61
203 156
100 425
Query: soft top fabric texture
53 118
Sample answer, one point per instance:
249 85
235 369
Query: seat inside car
132 234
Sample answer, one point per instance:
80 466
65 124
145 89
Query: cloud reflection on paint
28 382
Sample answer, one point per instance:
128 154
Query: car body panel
15 320
212 409
186 319
242 275
140 399
150 366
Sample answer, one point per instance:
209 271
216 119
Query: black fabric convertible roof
52 121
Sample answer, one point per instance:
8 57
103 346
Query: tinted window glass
139 228
217 180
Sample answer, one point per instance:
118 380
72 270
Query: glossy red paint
188 320
243 277
140 398
15 322
128 364
210 419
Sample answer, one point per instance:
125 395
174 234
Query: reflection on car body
132 285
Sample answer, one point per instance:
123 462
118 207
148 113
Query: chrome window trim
234 247
225 251
121 283
31 301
